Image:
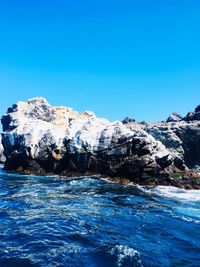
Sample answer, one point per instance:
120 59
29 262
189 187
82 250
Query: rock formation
41 138
174 117
181 139
128 120
2 157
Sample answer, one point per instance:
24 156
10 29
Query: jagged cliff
181 136
41 138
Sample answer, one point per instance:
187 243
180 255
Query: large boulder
42 138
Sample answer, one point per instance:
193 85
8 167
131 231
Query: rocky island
40 138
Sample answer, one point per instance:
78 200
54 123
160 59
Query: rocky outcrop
181 139
41 138
181 136
174 117
2 157
193 115
128 120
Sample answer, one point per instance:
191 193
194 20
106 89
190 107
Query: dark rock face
196 116
40 138
189 116
128 120
190 137
197 109
2 157
193 116
7 122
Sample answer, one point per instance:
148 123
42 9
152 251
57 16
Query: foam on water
177 193
126 256
52 221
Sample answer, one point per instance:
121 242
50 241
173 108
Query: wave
162 191
126 256
176 193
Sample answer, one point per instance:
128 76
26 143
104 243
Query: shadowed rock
192 116
128 120
2 157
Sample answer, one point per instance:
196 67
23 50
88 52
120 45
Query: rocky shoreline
42 139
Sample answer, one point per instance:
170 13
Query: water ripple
57 221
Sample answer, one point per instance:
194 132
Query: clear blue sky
138 58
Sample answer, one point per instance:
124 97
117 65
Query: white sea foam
126 255
177 193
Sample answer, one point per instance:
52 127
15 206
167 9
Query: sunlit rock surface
181 139
174 117
39 137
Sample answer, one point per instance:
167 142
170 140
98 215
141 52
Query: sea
55 221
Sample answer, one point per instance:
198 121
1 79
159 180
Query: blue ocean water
55 221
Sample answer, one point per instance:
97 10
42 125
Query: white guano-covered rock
39 136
